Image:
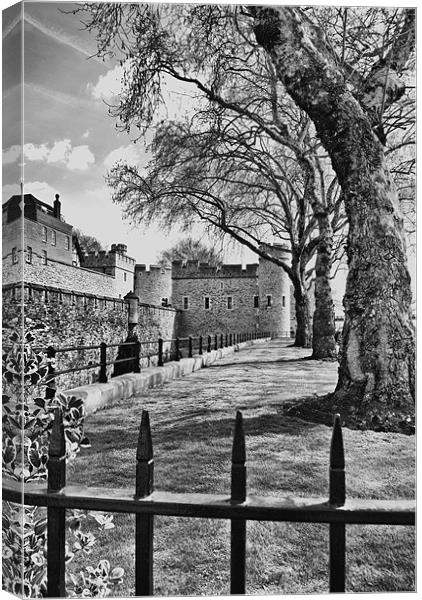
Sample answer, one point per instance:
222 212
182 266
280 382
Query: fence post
56 525
177 346
50 389
337 496
238 495
136 367
103 363
160 352
215 342
190 347
226 341
144 524
231 339
209 344
200 345
221 340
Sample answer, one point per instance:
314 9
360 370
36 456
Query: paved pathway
256 379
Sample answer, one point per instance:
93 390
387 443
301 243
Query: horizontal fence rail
130 353
237 506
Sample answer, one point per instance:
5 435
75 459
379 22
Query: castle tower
153 286
274 294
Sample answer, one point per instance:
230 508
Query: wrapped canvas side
15 517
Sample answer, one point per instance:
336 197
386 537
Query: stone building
47 236
41 249
220 299
115 263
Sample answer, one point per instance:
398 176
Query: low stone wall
101 395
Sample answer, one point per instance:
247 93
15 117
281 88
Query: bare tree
349 85
376 376
241 83
191 249
88 243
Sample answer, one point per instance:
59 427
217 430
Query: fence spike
238 473
144 459
337 473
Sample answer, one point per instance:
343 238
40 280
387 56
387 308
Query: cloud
80 158
36 152
108 86
77 158
59 152
12 154
130 154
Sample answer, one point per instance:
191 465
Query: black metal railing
236 506
130 353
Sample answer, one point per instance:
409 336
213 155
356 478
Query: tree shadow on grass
198 426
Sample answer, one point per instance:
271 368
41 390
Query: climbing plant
27 423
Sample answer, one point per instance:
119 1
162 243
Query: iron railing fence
238 507
133 353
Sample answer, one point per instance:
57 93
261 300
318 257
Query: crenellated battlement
143 269
111 258
193 269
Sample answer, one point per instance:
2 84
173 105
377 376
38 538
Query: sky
70 140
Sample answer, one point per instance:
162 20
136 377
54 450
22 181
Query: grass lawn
192 438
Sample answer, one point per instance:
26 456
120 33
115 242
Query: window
207 302
67 242
269 300
14 256
29 254
164 301
256 301
44 256
124 276
229 302
53 238
44 234
283 301
185 303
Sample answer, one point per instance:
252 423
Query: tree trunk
303 337
377 365
323 327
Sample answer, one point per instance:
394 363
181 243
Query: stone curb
99 395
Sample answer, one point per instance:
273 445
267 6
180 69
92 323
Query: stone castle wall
193 269
154 284
273 282
218 318
60 275
77 319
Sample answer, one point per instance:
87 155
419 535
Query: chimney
56 207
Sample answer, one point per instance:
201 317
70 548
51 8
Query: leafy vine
27 422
